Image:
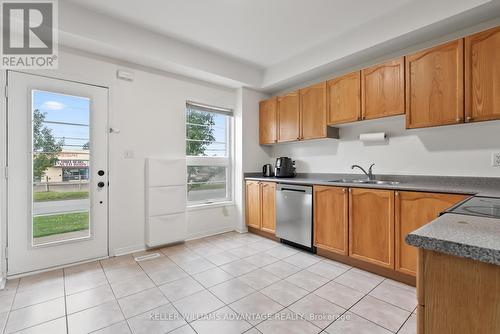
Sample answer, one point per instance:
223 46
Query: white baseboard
193 236
57 267
209 233
128 250
242 230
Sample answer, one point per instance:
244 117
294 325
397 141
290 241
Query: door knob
100 184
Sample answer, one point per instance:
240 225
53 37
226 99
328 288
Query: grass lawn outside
59 196
60 223
207 186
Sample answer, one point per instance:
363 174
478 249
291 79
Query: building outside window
208 154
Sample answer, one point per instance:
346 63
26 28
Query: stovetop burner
479 206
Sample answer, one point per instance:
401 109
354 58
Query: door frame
59 75
3 179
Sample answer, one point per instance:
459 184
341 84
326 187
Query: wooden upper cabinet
434 86
331 218
253 204
482 76
383 89
344 98
289 117
268 207
313 111
371 226
413 210
268 121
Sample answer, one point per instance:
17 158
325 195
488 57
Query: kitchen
319 169
372 221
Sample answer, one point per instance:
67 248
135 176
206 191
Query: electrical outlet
495 159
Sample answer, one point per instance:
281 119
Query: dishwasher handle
294 188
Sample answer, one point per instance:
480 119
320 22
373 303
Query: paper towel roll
372 137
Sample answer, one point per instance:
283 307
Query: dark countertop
466 236
482 186
476 238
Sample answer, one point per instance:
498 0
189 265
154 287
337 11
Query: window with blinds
208 154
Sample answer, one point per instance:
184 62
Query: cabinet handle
350 190
458 120
469 119
397 193
344 190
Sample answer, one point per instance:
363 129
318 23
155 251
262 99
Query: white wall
459 150
150 114
84 29
250 156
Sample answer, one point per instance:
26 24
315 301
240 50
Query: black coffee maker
285 167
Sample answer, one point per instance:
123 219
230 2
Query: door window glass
60 167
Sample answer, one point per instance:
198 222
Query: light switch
495 159
128 154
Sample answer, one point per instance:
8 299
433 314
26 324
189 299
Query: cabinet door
253 202
268 206
413 210
461 295
383 89
267 121
331 218
434 86
371 226
313 111
289 117
344 100
482 76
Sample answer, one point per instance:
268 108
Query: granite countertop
472 237
481 186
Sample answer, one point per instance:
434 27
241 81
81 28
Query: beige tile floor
228 283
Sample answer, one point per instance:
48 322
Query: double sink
365 181
370 178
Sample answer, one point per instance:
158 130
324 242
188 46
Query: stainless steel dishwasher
294 214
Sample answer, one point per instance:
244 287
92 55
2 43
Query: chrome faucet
369 174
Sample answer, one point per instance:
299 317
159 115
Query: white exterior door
57 188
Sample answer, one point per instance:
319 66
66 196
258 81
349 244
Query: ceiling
261 32
264 44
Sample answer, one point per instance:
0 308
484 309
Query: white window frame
226 161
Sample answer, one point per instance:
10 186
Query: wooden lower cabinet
268 206
371 226
413 210
368 226
331 218
253 204
459 295
261 205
